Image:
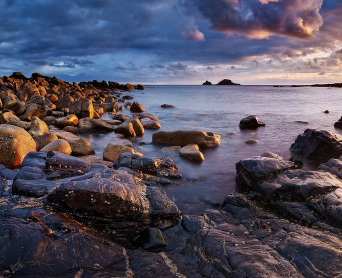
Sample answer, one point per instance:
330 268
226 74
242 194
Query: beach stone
272 155
15 144
96 159
191 152
317 145
8 117
57 113
250 122
137 107
163 167
121 117
151 239
112 152
46 138
58 145
33 110
37 127
98 124
49 119
167 106
22 124
144 116
53 98
68 136
251 142
185 137
70 120
63 102
126 129
149 124
10 101
70 129
81 147
82 108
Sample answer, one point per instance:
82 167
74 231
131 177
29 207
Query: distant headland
222 82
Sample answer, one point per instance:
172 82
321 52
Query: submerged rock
191 152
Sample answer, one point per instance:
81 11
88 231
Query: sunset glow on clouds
174 41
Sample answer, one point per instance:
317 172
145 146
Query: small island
226 82
222 82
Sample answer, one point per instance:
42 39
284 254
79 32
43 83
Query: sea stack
207 83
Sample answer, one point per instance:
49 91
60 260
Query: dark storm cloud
161 37
294 18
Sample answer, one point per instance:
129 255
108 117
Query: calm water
219 109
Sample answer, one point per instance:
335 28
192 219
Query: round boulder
191 152
250 122
112 152
58 145
15 144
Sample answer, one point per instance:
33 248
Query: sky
185 42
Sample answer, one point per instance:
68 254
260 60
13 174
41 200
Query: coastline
51 204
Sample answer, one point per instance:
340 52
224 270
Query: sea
286 111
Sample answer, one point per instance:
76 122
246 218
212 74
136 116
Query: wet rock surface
317 145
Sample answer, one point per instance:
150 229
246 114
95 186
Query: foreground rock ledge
185 137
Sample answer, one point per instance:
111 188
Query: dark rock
35 159
139 87
226 82
251 122
151 239
167 106
162 167
207 83
317 145
338 124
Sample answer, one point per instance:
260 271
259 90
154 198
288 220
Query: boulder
63 102
121 117
191 152
337 124
251 142
81 147
8 117
70 120
61 134
33 110
22 124
250 122
71 128
150 124
125 129
317 145
137 107
38 127
46 138
185 137
10 101
144 116
15 144
58 145
163 167
97 124
112 152
82 108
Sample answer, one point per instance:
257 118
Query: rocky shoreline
65 212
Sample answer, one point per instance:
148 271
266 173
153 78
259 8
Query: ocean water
286 111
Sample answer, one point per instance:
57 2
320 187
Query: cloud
257 64
157 66
261 19
81 62
177 68
292 54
